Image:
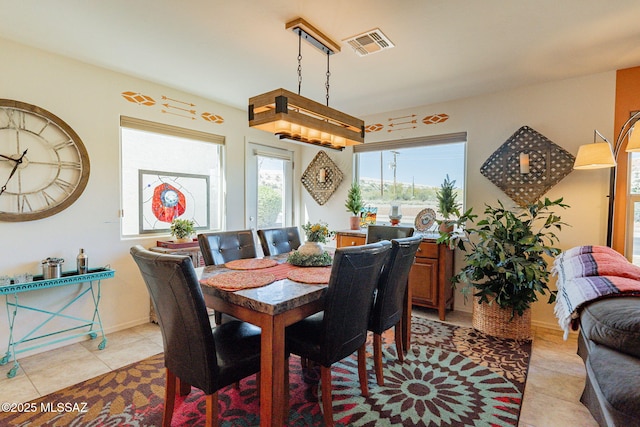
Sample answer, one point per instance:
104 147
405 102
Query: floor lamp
600 155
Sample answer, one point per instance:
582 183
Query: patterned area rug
452 376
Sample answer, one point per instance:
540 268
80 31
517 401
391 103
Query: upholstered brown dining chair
377 233
223 246
194 354
389 301
275 241
341 329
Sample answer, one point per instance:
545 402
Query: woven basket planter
493 320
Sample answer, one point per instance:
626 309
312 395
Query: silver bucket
52 268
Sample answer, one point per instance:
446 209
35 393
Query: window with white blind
408 172
169 172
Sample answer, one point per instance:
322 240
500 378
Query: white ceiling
233 49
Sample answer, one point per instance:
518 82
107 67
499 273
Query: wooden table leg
272 373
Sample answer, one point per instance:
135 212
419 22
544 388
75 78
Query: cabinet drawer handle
353 243
419 249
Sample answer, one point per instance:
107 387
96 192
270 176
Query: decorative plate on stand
425 219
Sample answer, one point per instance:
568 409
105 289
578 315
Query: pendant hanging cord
328 75
299 60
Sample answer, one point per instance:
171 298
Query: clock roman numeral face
44 166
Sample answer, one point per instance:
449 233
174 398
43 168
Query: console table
11 292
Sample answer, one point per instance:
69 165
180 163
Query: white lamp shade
594 156
634 140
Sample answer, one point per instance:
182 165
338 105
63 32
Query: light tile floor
551 398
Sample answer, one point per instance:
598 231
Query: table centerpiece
311 253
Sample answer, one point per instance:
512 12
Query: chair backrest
277 241
220 247
389 299
349 298
377 233
189 346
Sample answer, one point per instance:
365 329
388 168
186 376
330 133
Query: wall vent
369 42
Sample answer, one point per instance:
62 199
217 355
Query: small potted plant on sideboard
354 204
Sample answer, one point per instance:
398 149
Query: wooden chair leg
258 384
211 416
327 401
169 398
399 344
217 316
286 387
362 370
377 358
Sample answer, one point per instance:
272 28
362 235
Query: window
633 218
409 172
169 172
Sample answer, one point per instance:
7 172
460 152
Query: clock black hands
7 157
13 171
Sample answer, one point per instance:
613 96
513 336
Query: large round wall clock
44 166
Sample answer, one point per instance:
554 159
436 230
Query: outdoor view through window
409 178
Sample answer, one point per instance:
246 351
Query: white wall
89 99
565 111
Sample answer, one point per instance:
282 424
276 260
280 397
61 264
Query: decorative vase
354 222
395 215
311 248
491 319
446 228
183 239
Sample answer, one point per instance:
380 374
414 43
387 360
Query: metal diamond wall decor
321 178
548 163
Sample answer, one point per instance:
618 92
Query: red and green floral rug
452 376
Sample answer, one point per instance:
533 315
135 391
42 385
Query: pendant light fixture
292 116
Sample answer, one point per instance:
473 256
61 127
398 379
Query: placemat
250 264
281 271
310 275
238 280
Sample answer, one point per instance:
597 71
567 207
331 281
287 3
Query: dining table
272 307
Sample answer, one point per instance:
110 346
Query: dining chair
341 329
389 299
377 233
194 354
223 246
275 241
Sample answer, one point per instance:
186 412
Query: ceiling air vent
370 42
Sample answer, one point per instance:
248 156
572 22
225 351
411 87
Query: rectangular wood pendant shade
292 116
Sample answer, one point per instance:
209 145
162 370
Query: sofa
599 295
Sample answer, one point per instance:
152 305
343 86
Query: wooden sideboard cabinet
430 276
350 239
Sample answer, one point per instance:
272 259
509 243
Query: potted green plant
447 196
453 221
506 265
354 204
182 229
